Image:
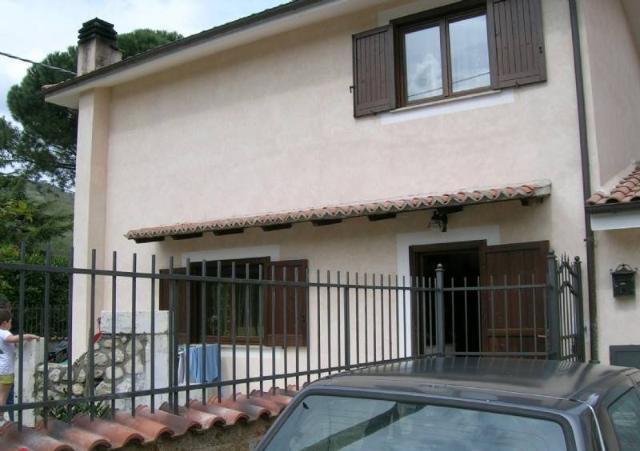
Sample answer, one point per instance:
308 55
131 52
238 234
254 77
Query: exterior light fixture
624 283
438 221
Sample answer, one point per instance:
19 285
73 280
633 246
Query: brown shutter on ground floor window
180 288
285 311
373 71
516 42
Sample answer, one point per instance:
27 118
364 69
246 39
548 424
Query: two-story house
370 136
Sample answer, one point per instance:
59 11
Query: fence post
553 312
347 326
440 348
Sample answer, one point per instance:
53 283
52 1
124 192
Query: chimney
96 46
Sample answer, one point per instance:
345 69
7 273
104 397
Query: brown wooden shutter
181 302
274 311
373 72
520 264
516 41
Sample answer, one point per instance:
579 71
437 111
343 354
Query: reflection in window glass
469 54
625 416
423 62
357 424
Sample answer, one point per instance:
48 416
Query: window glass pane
625 416
333 423
469 54
423 64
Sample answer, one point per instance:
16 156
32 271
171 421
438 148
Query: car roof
548 384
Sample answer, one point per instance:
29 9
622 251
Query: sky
33 28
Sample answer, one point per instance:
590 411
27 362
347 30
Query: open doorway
462 265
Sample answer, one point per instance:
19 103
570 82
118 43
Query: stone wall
105 365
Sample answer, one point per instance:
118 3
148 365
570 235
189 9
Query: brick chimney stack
96 46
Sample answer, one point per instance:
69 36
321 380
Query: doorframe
439 248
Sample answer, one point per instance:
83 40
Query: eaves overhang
283 18
380 209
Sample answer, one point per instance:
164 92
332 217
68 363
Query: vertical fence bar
374 323
520 312
203 332
425 305
493 315
134 310
397 301
69 342
347 327
319 342
404 315
296 277
173 345
507 333
390 319
261 321
338 314
113 331
219 325
535 316
47 292
153 333
439 295
453 315
92 316
552 307
466 314
366 321
187 341
234 330
21 294
577 284
273 327
247 319
382 317
307 322
357 322
284 322
481 345
329 320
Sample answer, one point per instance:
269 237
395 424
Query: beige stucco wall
269 127
617 317
612 70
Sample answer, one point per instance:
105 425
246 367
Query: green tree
45 148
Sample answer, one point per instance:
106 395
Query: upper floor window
444 57
458 49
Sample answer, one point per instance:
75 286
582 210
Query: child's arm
16 338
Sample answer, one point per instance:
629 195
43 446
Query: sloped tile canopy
146 427
325 215
626 192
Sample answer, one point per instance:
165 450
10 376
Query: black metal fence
252 325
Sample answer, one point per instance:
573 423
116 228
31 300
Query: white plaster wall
617 317
269 127
612 70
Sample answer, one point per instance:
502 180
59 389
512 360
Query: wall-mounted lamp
624 280
438 221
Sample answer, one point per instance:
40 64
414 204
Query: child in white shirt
7 355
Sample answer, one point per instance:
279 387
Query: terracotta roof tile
409 203
146 427
626 191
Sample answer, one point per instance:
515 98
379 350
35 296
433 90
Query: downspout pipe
586 182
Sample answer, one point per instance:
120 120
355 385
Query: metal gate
566 308
520 315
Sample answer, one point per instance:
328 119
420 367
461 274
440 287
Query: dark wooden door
514 318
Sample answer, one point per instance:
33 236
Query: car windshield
346 423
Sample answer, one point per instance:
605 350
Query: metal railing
278 326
